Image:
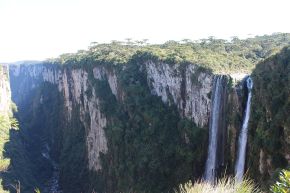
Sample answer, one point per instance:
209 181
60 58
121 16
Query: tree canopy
218 55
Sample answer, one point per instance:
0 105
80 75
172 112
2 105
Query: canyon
146 126
174 86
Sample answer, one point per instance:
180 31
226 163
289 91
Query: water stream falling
240 164
211 162
52 185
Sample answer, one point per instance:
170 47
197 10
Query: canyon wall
269 125
186 88
5 92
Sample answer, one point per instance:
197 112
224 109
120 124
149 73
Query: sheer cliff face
270 125
187 88
5 93
73 84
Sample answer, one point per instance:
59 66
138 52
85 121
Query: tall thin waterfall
52 186
240 164
211 162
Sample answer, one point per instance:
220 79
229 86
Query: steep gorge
138 127
85 100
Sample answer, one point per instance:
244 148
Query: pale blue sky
39 29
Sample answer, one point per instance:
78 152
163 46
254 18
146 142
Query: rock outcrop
5 92
188 88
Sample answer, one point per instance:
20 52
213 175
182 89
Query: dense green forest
146 138
218 55
151 146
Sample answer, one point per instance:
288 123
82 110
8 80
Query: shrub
283 184
224 185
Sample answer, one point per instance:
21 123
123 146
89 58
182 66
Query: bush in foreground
283 185
224 185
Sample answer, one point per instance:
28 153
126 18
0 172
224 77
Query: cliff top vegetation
217 55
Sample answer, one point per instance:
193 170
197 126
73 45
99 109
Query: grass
283 184
224 185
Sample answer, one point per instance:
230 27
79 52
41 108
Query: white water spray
211 162
240 164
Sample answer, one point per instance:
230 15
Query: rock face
73 84
186 86
5 93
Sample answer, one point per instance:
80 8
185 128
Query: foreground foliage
283 184
224 185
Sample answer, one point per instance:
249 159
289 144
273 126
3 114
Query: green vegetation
27 166
283 185
224 185
8 124
270 121
4 138
150 147
217 55
73 162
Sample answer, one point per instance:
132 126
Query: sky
41 29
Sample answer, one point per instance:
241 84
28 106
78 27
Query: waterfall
240 164
216 108
52 186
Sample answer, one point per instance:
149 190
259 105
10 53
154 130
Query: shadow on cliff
30 149
270 123
26 171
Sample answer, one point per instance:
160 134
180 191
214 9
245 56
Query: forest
151 146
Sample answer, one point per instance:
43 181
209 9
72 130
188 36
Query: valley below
134 118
